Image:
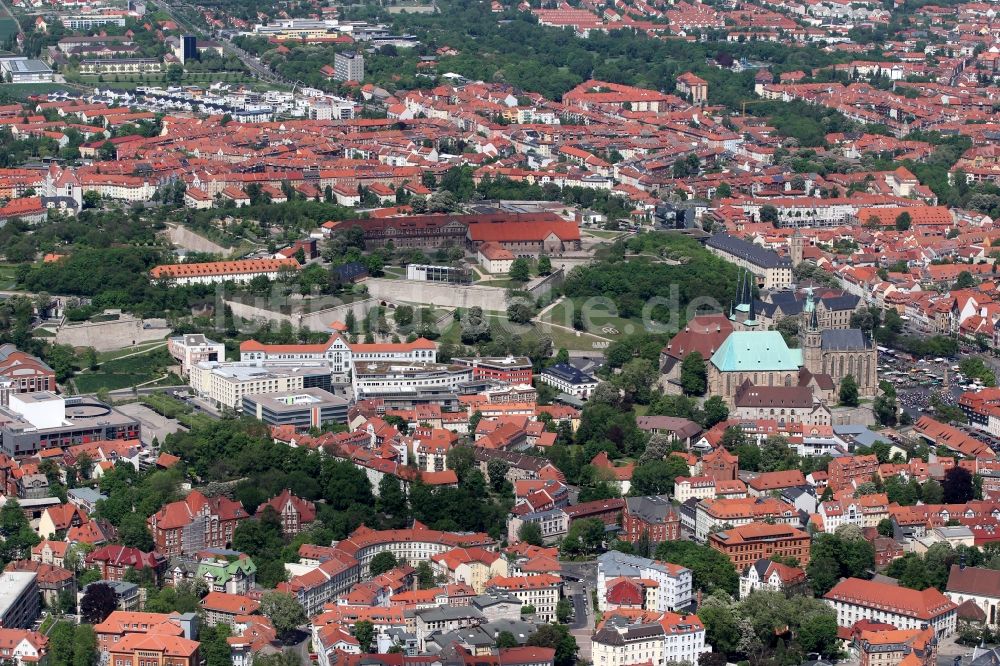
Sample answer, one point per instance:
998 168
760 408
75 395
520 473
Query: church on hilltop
752 357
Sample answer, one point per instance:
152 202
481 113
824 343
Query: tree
957 487
819 633
657 448
965 280
885 527
849 391
391 502
505 639
636 378
714 410
903 221
403 315
425 575
364 631
496 471
214 647
544 265
132 532
84 646
556 636
520 270
776 455
283 610
564 608
382 562
97 603
656 477
931 492
769 213
710 569
530 533
694 376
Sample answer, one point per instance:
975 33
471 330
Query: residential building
542 591
851 471
349 66
22 647
674 582
772 576
746 544
116 561
222 608
894 647
622 640
471 566
234 575
855 599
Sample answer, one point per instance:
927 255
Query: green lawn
104 357
601 321
7 281
125 372
21 91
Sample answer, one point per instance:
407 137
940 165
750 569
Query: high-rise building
188 48
349 66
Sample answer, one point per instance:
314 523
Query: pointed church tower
810 336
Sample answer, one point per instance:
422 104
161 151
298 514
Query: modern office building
41 420
303 409
25 70
225 384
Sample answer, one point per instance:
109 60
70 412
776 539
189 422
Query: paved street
582 580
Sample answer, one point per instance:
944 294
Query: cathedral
755 356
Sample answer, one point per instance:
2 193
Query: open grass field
601 320
125 372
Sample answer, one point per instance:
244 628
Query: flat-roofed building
225 384
42 420
304 408
20 599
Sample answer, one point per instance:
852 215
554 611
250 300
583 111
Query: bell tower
810 336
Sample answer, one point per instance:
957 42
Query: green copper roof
223 571
756 351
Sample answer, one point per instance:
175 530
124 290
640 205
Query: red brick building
607 510
296 514
720 464
746 544
653 516
115 561
845 471
195 523
27 372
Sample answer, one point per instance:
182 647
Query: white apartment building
541 591
675 581
671 638
694 487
